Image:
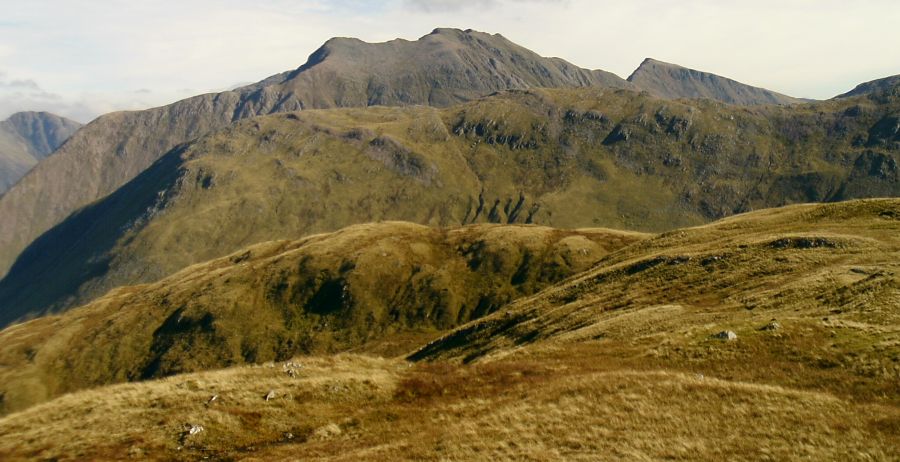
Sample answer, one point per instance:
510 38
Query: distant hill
562 158
673 81
874 86
26 138
442 68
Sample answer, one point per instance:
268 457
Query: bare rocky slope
445 67
874 86
26 138
673 81
563 158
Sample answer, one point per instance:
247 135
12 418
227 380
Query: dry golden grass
564 407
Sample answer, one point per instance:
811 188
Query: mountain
563 158
381 288
445 67
672 81
622 359
26 138
874 86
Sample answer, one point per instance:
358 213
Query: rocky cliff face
673 81
26 138
445 67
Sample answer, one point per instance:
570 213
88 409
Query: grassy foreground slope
381 288
348 408
562 158
616 363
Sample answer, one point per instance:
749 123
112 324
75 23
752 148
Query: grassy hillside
382 288
811 291
359 408
562 158
620 360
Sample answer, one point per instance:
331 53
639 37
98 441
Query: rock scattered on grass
727 335
271 395
190 430
772 325
291 368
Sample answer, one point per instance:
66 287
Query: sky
83 58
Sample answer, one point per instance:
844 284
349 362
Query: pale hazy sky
81 58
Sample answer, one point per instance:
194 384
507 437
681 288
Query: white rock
726 335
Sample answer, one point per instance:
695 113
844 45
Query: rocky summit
673 81
26 138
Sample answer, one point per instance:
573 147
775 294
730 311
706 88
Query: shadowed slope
380 287
673 81
445 67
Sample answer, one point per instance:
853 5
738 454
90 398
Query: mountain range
455 249
563 158
445 67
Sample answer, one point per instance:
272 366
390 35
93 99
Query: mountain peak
672 81
873 86
449 31
27 137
